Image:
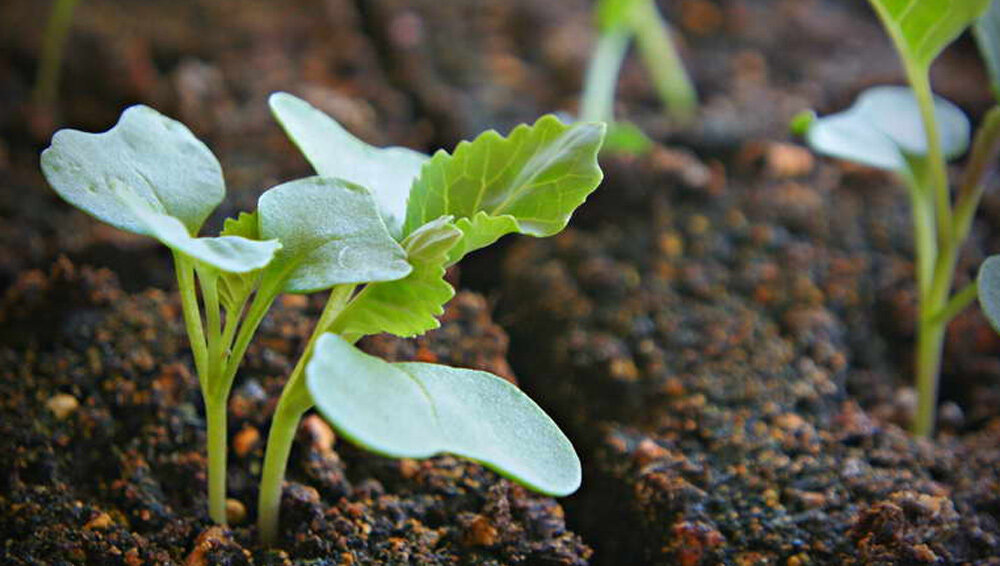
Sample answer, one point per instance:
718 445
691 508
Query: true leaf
627 138
884 126
331 233
155 159
409 306
987 32
333 152
235 288
529 182
921 29
417 410
989 290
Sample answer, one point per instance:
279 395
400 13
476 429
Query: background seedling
912 132
618 22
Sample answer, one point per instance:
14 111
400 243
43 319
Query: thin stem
958 303
984 152
295 401
279 446
192 315
217 432
925 241
209 279
652 34
598 100
262 301
937 173
47 79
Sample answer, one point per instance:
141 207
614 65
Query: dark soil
725 333
103 437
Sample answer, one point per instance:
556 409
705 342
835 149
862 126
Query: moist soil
725 332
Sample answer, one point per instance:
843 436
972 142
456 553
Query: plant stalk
295 401
217 432
47 79
930 344
653 36
598 101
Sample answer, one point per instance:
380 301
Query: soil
725 332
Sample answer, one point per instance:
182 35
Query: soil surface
103 437
725 332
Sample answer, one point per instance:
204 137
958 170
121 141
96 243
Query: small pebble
99 523
62 405
245 441
236 512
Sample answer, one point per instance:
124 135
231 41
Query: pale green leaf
884 127
987 31
409 306
417 410
921 29
146 155
230 254
333 152
614 13
331 233
530 182
245 225
989 290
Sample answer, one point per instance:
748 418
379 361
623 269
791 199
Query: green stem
958 303
984 152
217 432
279 446
598 101
192 316
925 241
295 401
209 279
652 34
47 79
930 343
938 174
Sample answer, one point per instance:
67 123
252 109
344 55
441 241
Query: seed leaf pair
417 410
883 129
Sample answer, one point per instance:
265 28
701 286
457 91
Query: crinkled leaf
409 306
529 182
245 225
333 152
989 290
987 31
884 127
921 29
231 254
417 410
331 233
146 155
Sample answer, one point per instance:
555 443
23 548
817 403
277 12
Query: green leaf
409 306
884 127
987 32
614 13
989 290
148 156
627 138
234 288
230 254
921 29
530 182
417 410
334 152
331 233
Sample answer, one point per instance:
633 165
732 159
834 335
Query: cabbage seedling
911 132
438 209
149 175
618 22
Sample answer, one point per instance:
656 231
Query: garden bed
725 332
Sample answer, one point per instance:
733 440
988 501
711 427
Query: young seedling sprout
377 231
47 78
618 22
439 209
911 132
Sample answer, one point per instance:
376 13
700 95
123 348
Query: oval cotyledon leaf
417 410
